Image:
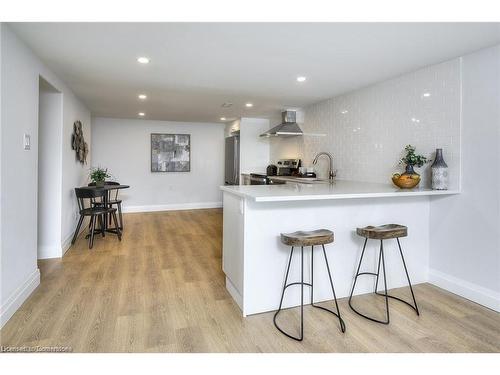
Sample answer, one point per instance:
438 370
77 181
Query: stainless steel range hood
287 128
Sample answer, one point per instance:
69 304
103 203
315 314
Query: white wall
20 71
366 130
49 176
124 147
254 150
74 173
465 229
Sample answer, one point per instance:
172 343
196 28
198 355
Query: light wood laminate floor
162 290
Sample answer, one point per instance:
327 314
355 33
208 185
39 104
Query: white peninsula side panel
232 245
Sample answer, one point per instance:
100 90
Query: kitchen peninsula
254 259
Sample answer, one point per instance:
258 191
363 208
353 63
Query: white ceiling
195 67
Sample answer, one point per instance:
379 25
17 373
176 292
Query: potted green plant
409 178
98 175
411 159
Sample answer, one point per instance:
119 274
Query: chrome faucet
331 174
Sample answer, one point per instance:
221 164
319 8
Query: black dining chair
95 212
113 200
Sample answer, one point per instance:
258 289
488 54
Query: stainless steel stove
288 167
262 179
285 167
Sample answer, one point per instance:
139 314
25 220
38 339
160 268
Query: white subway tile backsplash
367 130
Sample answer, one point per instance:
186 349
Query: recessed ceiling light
142 114
223 119
142 96
143 60
344 111
249 105
426 94
301 79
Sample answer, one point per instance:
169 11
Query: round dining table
107 188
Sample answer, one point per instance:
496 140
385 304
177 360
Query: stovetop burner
262 179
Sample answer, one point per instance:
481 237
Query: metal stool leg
415 307
357 271
378 272
311 284
385 283
285 285
301 293
381 260
312 275
286 278
337 314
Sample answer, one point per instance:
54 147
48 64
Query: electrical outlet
27 142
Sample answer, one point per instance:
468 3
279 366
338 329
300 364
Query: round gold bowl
406 181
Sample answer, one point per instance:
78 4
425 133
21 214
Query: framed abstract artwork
170 152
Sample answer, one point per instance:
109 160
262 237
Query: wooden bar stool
312 238
382 232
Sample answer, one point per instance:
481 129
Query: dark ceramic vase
409 169
439 172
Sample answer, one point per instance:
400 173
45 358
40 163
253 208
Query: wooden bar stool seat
319 237
308 238
383 232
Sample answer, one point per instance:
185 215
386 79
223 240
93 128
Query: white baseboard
235 294
172 207
51 252
48 252
476 293
66 244
17 298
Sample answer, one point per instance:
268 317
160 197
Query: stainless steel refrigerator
232 165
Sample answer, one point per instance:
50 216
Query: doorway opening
50 118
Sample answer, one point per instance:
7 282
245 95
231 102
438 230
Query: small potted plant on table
409 179
98 175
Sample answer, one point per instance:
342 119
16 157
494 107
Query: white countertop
340 189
